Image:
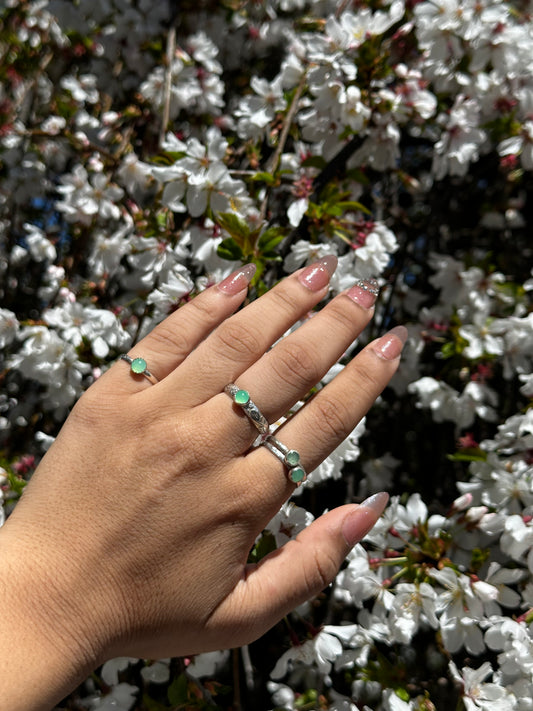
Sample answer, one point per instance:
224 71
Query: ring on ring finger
290 457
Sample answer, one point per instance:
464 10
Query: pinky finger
298 571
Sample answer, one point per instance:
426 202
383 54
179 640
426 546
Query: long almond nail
364 292
356 525
391 344
316 276
237 280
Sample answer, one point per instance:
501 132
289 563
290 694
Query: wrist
46 646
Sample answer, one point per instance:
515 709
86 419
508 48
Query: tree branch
171 50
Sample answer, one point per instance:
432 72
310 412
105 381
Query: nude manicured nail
237 280
391 344
316 276
365 292
356 525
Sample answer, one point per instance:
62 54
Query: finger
242 339
298 362
296 572
170 342
328 418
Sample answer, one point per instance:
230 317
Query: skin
133 534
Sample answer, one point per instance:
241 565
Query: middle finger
244 337
298 362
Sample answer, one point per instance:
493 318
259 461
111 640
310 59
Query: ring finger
328 418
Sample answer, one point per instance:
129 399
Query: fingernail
365 292
237 280
316 276
356 525
376 502
391 344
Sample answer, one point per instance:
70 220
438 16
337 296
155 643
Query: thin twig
341 8
335 167
236 680
171 50
273 162
45 61
248 668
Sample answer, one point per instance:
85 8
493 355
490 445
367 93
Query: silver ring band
242 398
290 457
138 367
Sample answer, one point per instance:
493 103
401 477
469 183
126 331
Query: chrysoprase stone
292 458
297 475
138 365
241 397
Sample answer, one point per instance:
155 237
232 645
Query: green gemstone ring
290 457
138 366
242 398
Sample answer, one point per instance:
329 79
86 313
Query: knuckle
369 383
295 365
332 418
93 407
318 570
170 341
326 568
202 313
281 299
201 308
343 318
176 446
239 342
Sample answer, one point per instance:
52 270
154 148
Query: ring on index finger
138 366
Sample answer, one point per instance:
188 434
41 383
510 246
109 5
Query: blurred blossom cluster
147 149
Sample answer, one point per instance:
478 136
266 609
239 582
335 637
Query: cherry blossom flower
320 651
288 523
478 694
413 604
9 326
39 246
462 140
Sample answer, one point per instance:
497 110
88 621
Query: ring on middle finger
242 398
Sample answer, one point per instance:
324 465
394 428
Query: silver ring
138 367
242 398
290 457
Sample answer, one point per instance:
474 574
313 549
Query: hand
133 535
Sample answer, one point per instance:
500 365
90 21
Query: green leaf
233 224
314 162
178 691
229 249
333 209
263 177
270 239
308 699
272 256
166 158
354 205
265 545
468 455
152 705
479 557
402 694
448 350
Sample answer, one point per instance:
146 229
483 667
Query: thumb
299 570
